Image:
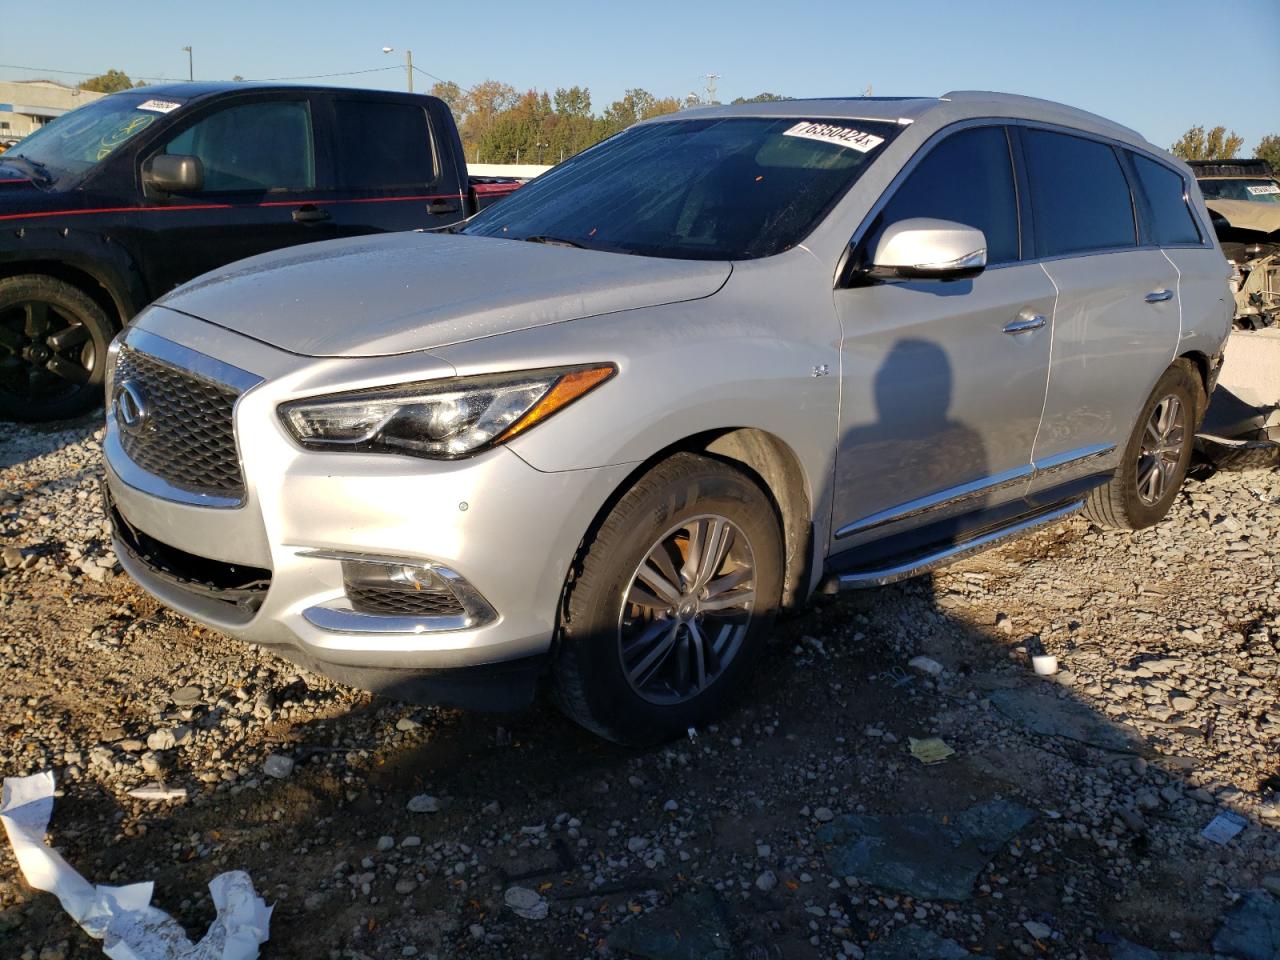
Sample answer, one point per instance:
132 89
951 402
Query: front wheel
1155 459
670 602
53 349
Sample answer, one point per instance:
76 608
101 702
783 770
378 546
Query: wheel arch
1203 368
111 295
773 466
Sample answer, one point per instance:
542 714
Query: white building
28 104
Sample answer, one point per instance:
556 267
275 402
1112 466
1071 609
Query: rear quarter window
383 145
1170 217
1079 195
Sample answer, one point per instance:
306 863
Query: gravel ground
1066 823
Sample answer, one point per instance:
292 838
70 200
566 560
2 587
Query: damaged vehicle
1243 197
596 438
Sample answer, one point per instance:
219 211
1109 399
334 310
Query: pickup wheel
670 603
1156 457
53 349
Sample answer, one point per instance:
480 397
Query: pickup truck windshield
76 141
1255 191
697 189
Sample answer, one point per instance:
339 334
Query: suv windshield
706 189
76 141
1238 188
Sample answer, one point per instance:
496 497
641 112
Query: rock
423 803
694 927
187 696
12 558
1251 929
161 740
1038 930
55 951
278 766
1052 716
385 844
1182 704
411 842
823 815
406 885
914 942
925 665
927 856
526 903
1271 882
636 844
404 725
766 881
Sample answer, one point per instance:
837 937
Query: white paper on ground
122 917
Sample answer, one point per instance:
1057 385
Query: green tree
1217 144
1268 149
112 81
573 102
765 97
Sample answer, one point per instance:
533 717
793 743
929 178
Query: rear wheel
1156 457
53 349
670 603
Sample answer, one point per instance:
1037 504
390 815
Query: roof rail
1014 99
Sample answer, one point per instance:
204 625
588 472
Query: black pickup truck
112 205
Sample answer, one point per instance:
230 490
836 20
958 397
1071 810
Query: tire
53 349
1130 500
663 516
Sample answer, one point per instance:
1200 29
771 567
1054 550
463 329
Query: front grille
399 602
186 437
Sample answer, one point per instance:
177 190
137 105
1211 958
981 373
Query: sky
1159 66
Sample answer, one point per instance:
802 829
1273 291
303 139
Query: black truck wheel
53 349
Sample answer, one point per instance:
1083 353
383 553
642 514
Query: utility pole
408 65
711 86
191 69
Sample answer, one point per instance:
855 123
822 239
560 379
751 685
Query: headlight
440 419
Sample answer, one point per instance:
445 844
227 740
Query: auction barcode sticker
1264 189
159 106
834 133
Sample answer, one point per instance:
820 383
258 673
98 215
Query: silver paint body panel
935 410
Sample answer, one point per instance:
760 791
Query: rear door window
383 145
1079 195
1166 195
263 147
968 179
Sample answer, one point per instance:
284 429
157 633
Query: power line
313 76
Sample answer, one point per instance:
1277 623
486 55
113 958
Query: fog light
393 595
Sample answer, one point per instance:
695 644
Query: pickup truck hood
1248 214
405 292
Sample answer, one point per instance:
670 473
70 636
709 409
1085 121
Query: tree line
499 124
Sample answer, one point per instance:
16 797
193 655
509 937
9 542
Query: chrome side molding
864 579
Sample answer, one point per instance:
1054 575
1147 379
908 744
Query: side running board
863 579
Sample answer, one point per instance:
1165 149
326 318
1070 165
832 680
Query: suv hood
405 292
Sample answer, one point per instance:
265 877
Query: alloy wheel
1162 442
44 354
686 610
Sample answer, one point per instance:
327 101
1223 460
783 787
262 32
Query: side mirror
174 174
925 249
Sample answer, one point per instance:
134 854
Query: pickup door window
941 398
259 176
388 175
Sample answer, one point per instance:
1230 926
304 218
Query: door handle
308 213
1158 296
442 206
1025 321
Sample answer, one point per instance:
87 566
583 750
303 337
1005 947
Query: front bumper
511 531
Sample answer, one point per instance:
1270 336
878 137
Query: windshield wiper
36 167
554 241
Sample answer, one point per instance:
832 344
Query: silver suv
727 358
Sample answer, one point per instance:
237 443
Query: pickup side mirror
174 174
922 248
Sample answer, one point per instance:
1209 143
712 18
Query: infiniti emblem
131 407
